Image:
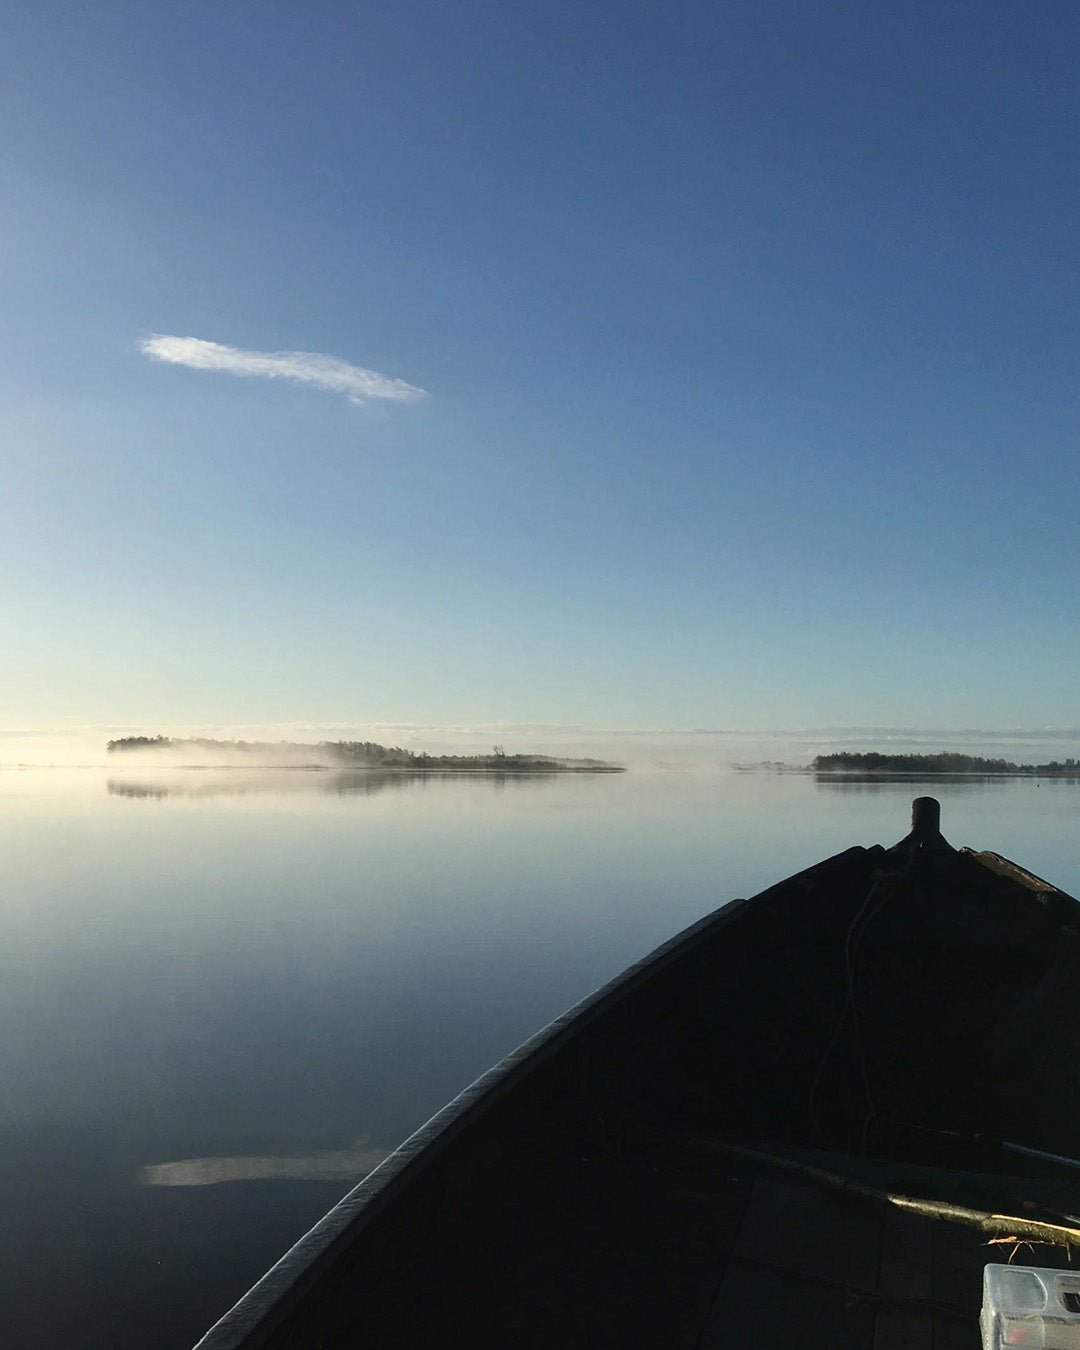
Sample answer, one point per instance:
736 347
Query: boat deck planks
906 1276
617 1251
677 1249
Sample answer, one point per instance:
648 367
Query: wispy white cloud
324 372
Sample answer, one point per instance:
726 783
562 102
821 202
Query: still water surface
225 995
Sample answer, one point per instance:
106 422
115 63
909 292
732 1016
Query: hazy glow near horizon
639 750
752 369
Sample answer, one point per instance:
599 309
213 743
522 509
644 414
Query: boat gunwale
260 1311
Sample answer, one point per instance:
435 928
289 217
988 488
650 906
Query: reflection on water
912 784
252 782
235 782
332 1165
926 784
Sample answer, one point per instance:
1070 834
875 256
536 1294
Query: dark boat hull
654 1168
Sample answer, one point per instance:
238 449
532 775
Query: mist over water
698 748
225 993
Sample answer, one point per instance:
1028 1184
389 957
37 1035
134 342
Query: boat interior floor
683 1241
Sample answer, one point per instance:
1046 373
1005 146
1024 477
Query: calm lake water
223 995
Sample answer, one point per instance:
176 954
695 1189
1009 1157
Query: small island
944 763
199 752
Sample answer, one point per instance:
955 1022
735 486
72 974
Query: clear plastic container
1030 1306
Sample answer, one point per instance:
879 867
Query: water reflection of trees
343 783
882 783
138 789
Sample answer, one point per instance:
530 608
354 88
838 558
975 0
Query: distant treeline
354 755
947 761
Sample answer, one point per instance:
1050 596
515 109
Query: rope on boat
881 881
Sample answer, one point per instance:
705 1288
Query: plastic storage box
1027 1305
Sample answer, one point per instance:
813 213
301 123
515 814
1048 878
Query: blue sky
748 335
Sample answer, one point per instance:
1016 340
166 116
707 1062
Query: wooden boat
811 1119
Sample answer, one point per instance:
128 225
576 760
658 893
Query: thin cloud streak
324 372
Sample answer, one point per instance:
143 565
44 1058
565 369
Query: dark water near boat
223 996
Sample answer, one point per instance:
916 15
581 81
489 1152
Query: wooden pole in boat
1011 1226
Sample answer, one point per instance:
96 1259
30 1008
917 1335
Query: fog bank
702 749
